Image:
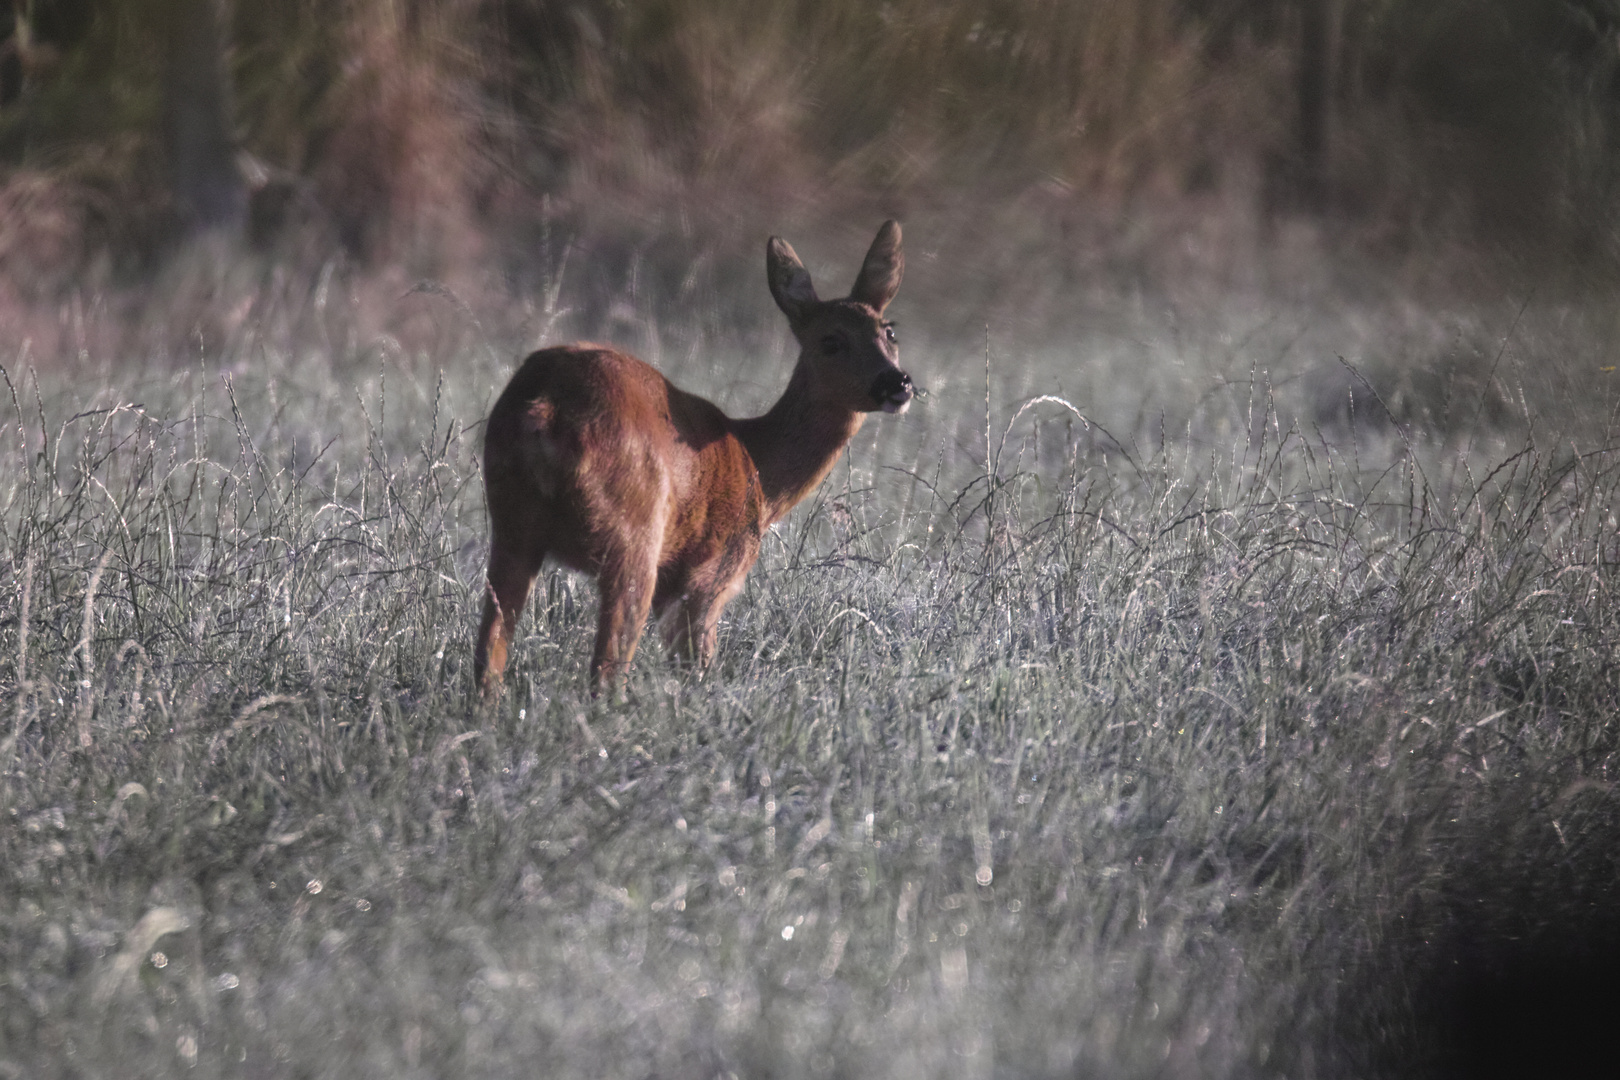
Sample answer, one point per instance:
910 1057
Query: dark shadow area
1533 1008
1516 970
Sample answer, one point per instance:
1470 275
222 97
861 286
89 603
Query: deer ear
789 280
881 272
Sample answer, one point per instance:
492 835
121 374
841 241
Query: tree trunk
208 190
1313 85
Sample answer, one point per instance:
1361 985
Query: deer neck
795 445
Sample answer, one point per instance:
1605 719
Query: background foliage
443 132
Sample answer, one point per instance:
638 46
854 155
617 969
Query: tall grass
1050 741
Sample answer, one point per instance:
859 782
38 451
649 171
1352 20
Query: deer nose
892 390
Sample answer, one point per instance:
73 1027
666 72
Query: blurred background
538 157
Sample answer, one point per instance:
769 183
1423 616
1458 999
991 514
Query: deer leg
511 574
691 628
626 584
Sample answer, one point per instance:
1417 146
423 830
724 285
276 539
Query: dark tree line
1515 103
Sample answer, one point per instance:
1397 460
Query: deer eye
888 332
832 344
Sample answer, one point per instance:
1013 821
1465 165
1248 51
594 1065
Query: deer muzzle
892 391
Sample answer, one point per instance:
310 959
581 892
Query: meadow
1216 689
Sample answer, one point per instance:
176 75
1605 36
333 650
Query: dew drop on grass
787 933
227 981
159 960
314 887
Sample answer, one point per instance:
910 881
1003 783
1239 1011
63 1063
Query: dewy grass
1169 759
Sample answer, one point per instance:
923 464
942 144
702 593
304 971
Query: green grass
1194 753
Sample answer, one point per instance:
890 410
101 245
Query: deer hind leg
512 570
626 584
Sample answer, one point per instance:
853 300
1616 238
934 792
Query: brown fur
595 459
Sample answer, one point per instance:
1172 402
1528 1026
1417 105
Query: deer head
848 351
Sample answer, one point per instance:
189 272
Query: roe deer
594 458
